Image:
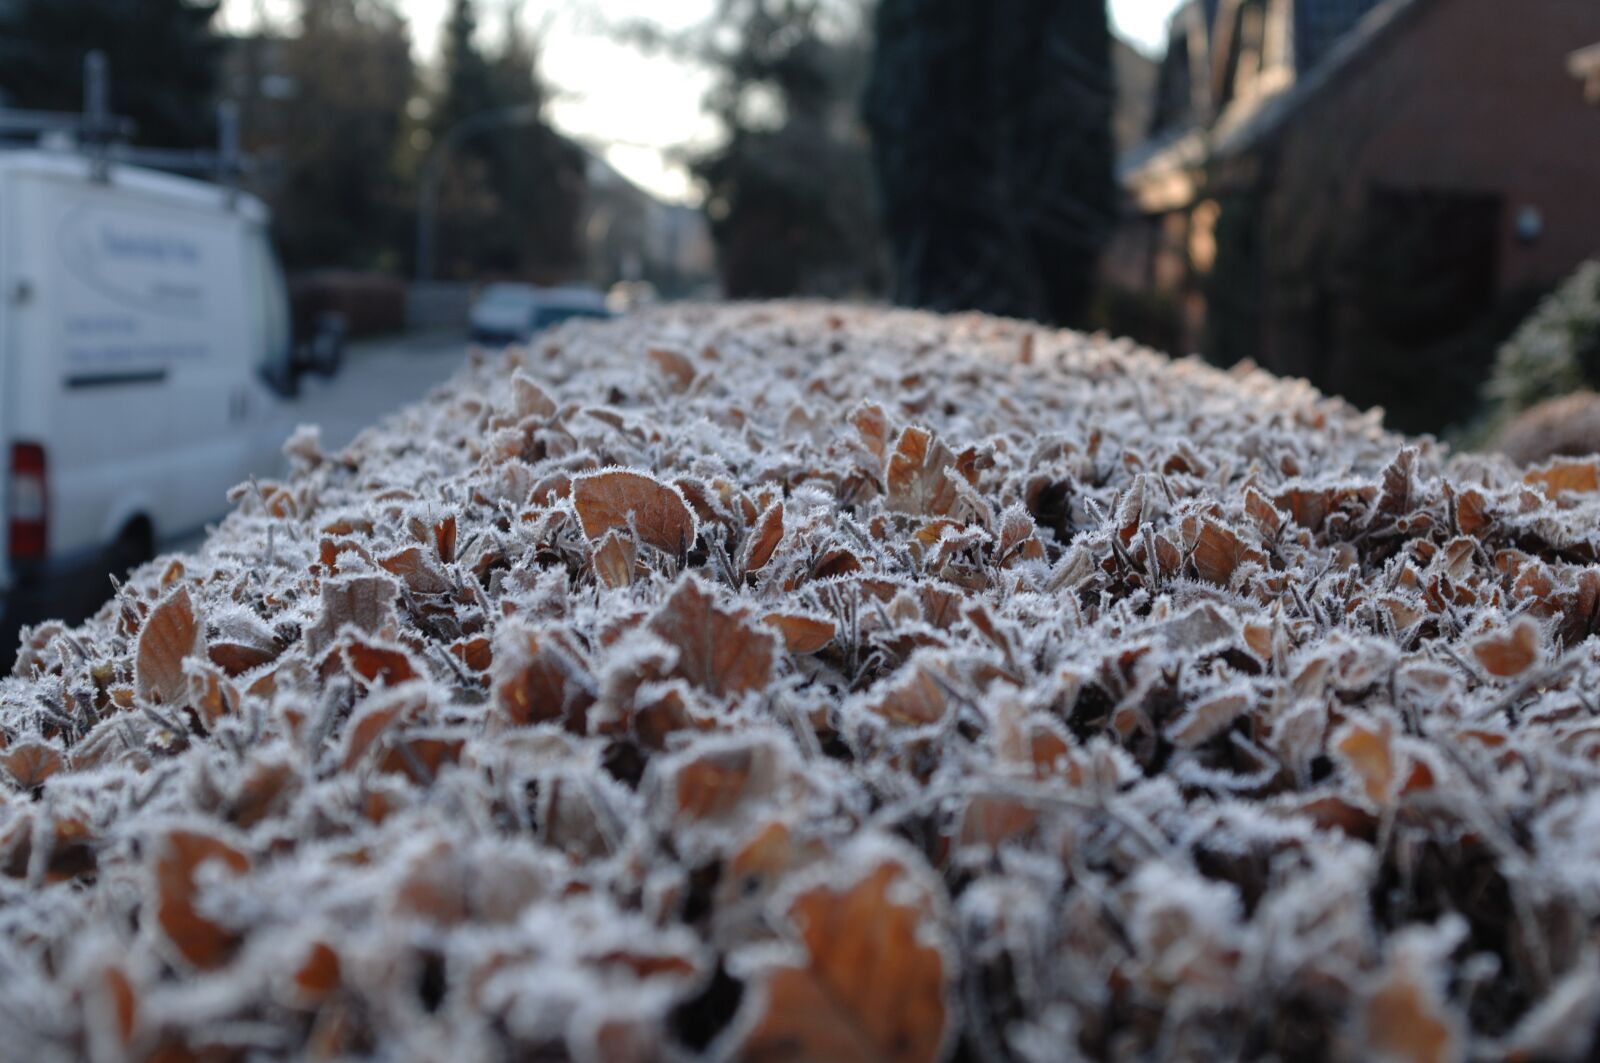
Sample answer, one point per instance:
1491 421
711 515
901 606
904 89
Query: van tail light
28 504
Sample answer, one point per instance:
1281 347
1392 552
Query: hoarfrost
825 681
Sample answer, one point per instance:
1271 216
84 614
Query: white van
145 356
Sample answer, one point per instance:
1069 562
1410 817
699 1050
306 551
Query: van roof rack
103 136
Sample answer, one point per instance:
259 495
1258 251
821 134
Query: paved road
378 376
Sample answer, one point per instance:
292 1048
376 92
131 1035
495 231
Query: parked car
514 313
146 366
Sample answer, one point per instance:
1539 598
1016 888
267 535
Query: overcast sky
631 107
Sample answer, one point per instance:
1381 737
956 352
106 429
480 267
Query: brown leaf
365 603
1396 498
380 664
1406 1020
676 367
991 820
531 399
916 476
537 678
1266 516
1579 477
373 719
444 539
1217 553
1509 653
265 787
914 698
1366 749
30 763
606 500
871 987
124 1003
1472 513
179 855
614 559
1206 720
763 540
1307 508
416 570
210 695
1018 537
242 643
718 649
170 636
476 653
318 976
873 427
714 783
801 633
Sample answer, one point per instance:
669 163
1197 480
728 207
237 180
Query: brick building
1367 193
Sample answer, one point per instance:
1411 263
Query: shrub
1556 351
803 682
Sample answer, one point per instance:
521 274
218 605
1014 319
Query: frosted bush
799 682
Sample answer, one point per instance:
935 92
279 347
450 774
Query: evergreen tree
468 86
341 201
512 193
992 135
162 54
537 175
789 191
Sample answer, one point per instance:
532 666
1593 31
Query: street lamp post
433 171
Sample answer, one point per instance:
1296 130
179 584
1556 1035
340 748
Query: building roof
1319 24
1329 39
1237 132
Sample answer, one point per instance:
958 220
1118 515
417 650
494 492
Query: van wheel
133 547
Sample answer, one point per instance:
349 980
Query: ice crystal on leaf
783 682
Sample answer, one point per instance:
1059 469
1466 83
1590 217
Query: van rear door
92 345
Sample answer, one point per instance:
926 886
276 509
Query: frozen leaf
1207 719
873 428
170 636
719 649
30 764
1406 1017
531 400
364 603
871 986
615 557
538 678
764 539
1218 552
801 632
916 697
317 978
242 642
1367 750
416 570
675 367
620 499
180 858
1509 653
1580 477
916 474
444 539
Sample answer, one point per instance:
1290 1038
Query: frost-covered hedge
812 683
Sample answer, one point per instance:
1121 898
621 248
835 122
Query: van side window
269 311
